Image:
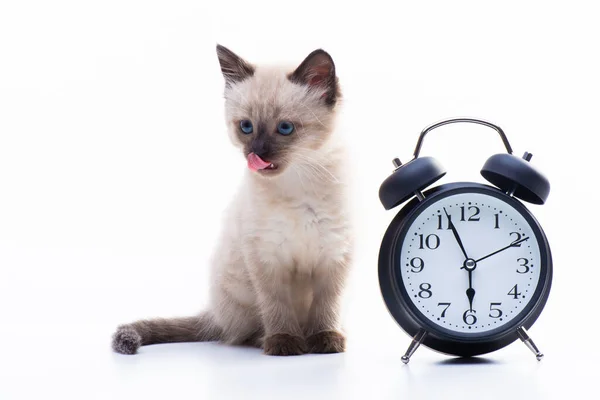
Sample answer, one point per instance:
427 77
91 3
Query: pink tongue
255 162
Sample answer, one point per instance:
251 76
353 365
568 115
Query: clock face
470 263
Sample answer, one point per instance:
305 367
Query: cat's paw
326 342
282 344
126 340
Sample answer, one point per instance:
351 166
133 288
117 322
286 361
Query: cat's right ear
234 68
318 70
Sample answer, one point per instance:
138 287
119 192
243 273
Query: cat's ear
318 70
234 68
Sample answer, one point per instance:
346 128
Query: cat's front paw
326 342
282 344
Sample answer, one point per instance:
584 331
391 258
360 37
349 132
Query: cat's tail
128 338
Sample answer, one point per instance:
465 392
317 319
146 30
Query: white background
115 169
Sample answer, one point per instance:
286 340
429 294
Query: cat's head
279 117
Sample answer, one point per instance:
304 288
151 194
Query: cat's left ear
318 71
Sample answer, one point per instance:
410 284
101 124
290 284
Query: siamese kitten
279 269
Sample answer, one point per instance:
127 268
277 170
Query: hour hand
455 233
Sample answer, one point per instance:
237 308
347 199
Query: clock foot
529 343
414 345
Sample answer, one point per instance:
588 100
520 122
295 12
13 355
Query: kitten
279 269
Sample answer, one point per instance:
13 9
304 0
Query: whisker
316 164
312 112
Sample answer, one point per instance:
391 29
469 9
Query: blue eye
246 126
285 128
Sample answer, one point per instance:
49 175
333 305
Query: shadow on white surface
468 361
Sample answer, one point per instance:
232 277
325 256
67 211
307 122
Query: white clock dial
435 271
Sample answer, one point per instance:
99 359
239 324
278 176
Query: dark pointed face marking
267 142
261 143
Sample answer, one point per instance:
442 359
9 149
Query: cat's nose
260 148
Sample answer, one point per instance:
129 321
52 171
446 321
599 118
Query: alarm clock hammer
505 290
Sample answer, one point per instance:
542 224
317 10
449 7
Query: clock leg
414 345
529 343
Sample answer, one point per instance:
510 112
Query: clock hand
469 265
513 244
470 290
453 228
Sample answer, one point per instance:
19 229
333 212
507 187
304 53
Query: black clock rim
411 320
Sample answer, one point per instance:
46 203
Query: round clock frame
413 321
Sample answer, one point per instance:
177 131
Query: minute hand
513 244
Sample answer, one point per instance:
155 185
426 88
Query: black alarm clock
465 268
